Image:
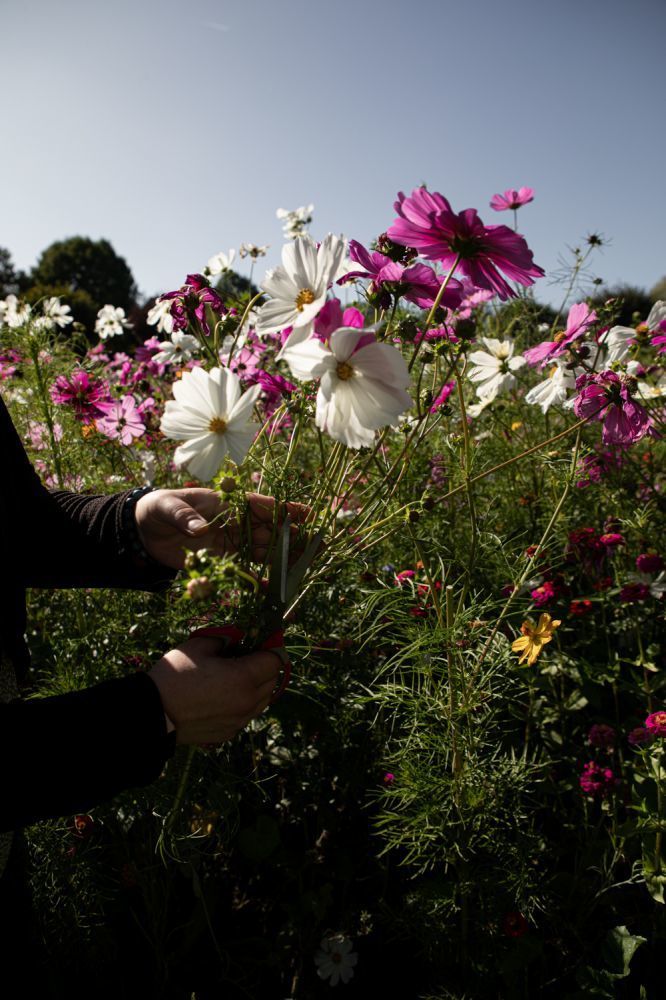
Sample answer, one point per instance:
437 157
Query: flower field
461 793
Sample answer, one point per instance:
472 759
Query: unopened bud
199 588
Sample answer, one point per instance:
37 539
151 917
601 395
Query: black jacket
65 754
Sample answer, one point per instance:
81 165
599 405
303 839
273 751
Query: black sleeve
65 754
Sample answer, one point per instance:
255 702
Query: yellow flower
534 638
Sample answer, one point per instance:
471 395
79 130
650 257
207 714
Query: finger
176 511
262 667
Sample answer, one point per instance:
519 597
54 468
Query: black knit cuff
132 547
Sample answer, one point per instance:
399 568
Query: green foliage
85 265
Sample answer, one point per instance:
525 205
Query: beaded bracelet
133 546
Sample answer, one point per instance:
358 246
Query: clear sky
176 128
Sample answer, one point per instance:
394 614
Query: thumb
185 518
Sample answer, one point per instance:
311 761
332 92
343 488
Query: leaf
257 842
618 949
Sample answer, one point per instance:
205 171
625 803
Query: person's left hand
171 521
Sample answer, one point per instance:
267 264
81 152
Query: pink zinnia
122 420
601 736
543 595
633 592
649 562
428 223
611 539
579 320
606 397
418 284
83 393
512 199
597 781
639 736
656 723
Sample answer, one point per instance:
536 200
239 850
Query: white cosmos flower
493 367
552 390
335 959
360 390
298 288
160 316
179 349
295 221
220 263
657 315
13 312
111 322
646 390
252 250
56 313
616 341
211 416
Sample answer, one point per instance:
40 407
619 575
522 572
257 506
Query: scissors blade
301 566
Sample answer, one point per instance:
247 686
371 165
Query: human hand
210 697
171 521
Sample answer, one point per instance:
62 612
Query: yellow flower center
304 298
659 718
217 425
344 371
559 337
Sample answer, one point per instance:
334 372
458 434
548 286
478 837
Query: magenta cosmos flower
512 199
605 397
428 223
579 320
83 393
418 283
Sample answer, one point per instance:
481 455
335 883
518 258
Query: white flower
179 349
616 341
13 312
296 220
475 409
298 288
492 368
552 390
335 959
55 313
252 250
360 390
160 316
111 322
210 415
220 263
657 315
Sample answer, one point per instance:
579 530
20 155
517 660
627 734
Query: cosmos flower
418 283
219 264
579 320
534 638
111 322
362 383
512 199
605 396
335 959
177 350
553 390
211 416
160 316
121 420
428 223
82 392
298 287
493 368
294 221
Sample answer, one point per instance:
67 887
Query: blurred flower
649 562
252 250
428 223
514 925
219 264
552 390
210 415
295 220
597 781
493 368
612 539
39 435
363 384
656 324
389 778
111 322
534 638
544 594
639 736
601 736
579 320
633 592
177 350
160 316
656 723
298 287
13 312
617 342
121 420
580 607
335 959
83 826
512 199
442 396
54 313
605 396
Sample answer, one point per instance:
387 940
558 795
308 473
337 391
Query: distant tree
658 293
9 276
632 301
231 285
84 265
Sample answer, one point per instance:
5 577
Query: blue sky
176 128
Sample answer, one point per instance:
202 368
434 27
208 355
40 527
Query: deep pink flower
512 199
442 396
606 397
404 576
543 595
332 316
597 781
656 723
612 539
418 283
389 778
514 924
85 394
649 562
639 736
633 592
601 736
428 223
121 420
580 607
579 320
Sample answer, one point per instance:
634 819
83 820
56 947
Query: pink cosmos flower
428 223
332 316
512 199
85 394
649 562
418 283
597 781
579 320
39 436
605 396
656 723
442 396
122 420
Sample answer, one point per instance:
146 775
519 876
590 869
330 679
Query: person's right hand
210 697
